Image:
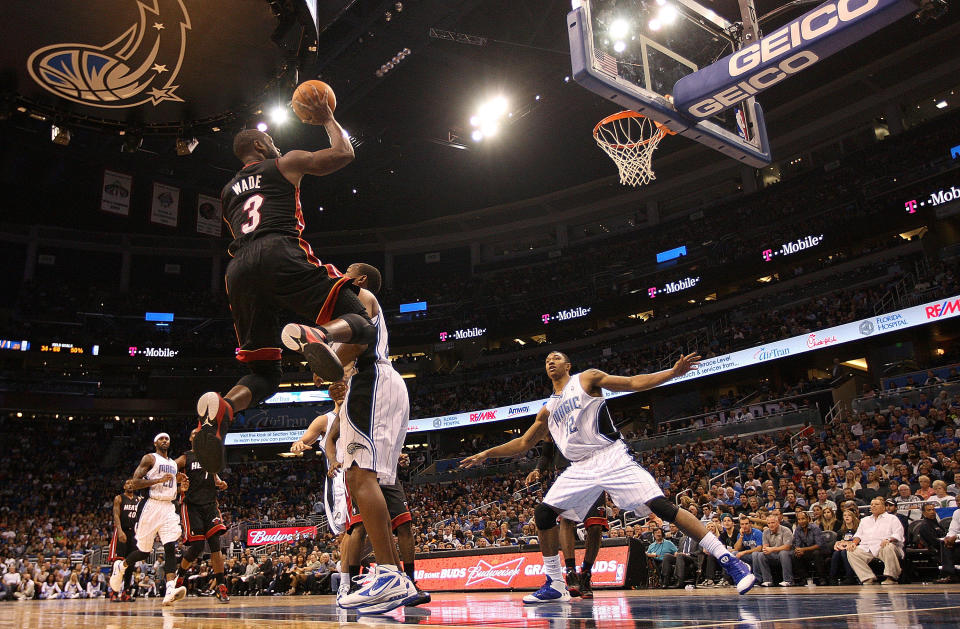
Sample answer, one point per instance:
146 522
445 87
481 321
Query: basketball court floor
896 606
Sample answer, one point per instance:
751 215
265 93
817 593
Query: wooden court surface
876 606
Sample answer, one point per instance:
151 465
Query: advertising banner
516 571
261 438
259 537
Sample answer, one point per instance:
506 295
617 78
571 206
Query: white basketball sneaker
174 595
549 592
116 577
387 589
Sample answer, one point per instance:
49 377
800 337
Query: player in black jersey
273 269
200 517
126 511
595 524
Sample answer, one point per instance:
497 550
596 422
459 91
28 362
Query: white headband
159 436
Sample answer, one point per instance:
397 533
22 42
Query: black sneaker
586 588
573 582
215 414
421 597
312 343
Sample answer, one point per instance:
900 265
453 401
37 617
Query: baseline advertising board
259 537
514 571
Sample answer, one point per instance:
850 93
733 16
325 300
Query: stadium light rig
486 121
394 62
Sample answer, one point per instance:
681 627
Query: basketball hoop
630 138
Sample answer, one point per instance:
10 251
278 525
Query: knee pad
263 379
214 543
663 509
170 557
544 517
363 330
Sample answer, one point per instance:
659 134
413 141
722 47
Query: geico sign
780 44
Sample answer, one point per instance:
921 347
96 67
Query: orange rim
620 115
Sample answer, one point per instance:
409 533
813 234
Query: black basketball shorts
201 522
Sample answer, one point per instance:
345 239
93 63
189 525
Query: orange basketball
304 93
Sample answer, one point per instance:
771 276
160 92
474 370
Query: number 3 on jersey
252 208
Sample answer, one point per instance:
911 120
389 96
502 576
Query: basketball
304 92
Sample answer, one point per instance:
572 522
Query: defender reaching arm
536 432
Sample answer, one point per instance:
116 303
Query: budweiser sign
259 537
520 571
502 573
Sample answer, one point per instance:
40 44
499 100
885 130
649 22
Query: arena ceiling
415 159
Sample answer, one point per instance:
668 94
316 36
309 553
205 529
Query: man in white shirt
951 553
880 535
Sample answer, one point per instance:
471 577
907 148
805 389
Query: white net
630 139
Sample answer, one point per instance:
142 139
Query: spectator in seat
27 590
893 509
678 566
954 489
749 541
808 553
824 501
880 535
777 548
929 530
844 544
656 552
941 497
926 489
951 554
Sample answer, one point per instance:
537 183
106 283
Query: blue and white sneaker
548 593
386 590
738 571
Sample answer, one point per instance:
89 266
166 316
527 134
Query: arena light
619 28
668 14
619 46
186 146
942 104
59 135
488 116
279 115
262 127
654 24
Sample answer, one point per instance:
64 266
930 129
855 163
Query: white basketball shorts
610 469
335 502
374 420
159 517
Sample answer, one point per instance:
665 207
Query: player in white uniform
373 424
158 517
577 419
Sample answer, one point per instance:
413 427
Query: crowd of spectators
909 454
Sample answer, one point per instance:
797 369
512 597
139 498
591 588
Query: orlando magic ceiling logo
138 67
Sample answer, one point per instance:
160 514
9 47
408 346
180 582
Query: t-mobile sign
792 247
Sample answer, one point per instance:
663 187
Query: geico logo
759 81
814 24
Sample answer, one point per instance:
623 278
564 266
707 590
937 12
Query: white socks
712 545
551 565
171 586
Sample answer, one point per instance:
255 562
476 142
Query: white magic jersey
579 423
382 351
167 490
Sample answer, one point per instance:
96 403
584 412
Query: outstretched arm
536 432
316 429
592 380
295 164
116 512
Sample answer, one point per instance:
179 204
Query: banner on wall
164 205
208 215
287 534
116 193
514 571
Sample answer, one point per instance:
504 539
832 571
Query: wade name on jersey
251 182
